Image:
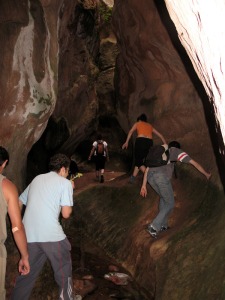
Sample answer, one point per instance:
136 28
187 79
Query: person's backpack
100 148
157 156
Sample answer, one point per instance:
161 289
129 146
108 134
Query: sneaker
164 228
132 179
102 179
152 231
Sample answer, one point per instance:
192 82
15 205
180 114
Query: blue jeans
163 187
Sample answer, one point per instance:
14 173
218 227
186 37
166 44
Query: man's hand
208 175
24 266
143 191
125 146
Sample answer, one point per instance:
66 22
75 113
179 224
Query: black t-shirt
176 155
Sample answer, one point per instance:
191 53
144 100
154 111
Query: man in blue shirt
160 180
45 198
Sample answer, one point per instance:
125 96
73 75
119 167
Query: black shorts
141 150
100 162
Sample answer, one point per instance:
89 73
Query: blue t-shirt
43 198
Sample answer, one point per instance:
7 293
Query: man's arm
159 135
66 211
200 168
107 152
91 153
134 127
11 196
143 191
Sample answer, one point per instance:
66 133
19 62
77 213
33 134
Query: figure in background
160 180
101 153
45 198
142 143
9 202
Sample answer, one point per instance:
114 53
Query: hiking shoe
132 179
164 228
152 231
102 179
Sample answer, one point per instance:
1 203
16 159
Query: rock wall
200 27
28 79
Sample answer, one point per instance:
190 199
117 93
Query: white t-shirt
43 199
95 144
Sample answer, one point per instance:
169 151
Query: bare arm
91 153
200 168
107 152
143 191
66 211
159 135
11 195
125 145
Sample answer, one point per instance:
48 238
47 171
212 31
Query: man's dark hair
58 161
174 144
99 137
4 155
142 117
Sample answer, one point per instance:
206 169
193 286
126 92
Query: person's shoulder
179 155
8 187
6 183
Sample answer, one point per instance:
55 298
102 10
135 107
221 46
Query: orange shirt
144 129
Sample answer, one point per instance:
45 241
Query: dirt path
89 180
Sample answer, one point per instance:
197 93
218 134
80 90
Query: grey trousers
59 256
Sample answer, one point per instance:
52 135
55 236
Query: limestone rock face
200 27
28 78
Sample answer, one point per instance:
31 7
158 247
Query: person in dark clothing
159 179
100 152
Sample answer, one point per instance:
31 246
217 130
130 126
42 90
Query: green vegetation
105 13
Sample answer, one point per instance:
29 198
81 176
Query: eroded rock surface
28 78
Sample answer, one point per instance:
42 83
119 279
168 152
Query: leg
162 185
59 255
96 167
142 168
2 277
141 150
102 160
25 283
135 172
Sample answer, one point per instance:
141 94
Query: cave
74 69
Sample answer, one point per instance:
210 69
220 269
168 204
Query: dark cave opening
57 133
